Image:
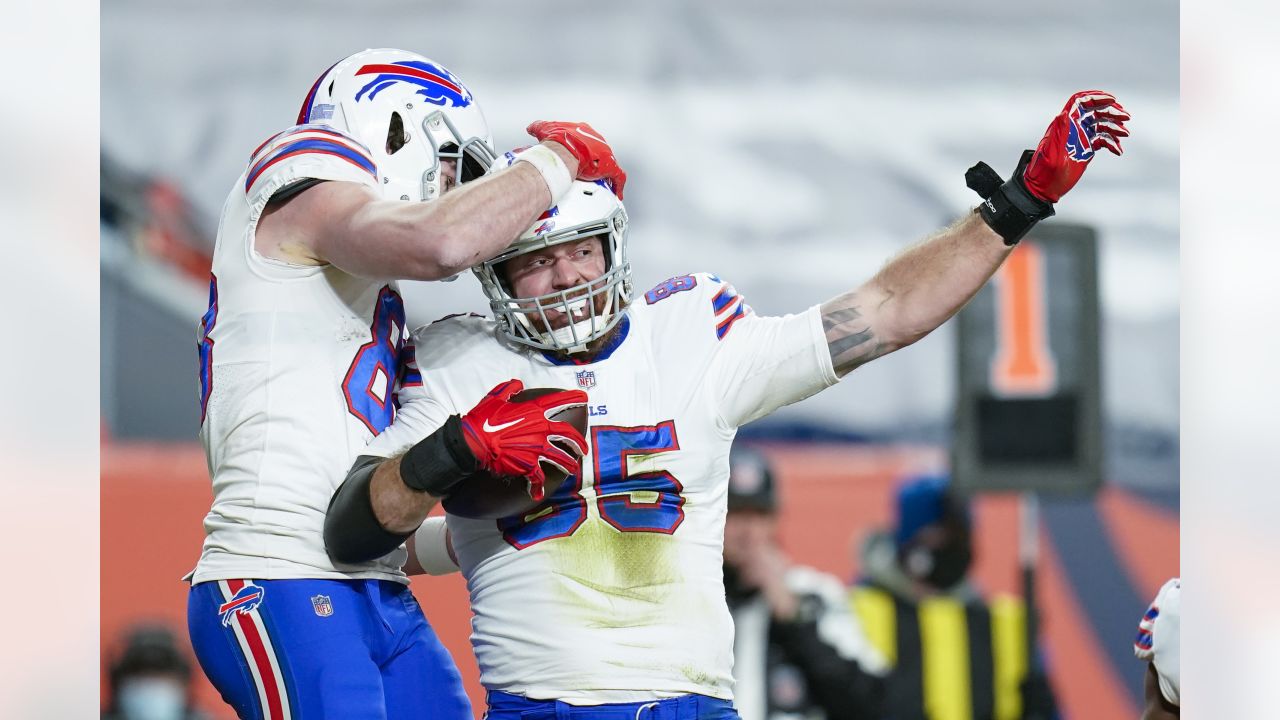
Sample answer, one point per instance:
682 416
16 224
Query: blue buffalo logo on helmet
548 225
245 601
1080 134
439 86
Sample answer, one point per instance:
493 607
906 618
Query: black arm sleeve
352 533
837 684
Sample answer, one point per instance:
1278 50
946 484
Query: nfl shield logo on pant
321 603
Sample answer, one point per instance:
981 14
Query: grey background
788 147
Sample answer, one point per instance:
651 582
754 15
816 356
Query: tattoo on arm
850 338
914 293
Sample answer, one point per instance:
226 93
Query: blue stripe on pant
373 655
505 706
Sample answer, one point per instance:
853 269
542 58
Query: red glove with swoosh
514 437
595 157
1091 120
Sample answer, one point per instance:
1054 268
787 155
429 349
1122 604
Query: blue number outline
205 348
521 531
388 313
669 287
568 497
621 500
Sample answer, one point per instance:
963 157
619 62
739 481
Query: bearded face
563 283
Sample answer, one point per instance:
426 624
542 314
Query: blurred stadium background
789 147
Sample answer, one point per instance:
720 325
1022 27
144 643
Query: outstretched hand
1091 120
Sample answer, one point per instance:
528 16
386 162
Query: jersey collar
624 328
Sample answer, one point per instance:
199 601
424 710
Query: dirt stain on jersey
697 676
617 579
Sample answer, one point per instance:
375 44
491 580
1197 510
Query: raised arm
348 225
913 294
924 286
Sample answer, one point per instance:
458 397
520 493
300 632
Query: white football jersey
298 366
1159 637
612 591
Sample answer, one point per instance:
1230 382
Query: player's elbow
454 255
447 240
352 533
907 332
902 320
902 333
439 253
341 541
339 545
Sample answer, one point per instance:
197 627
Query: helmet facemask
472 156
594 212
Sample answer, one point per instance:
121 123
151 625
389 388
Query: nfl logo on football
586 379
321 603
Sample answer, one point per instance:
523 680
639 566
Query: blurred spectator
1158 641
798 651
953 655
154 215
150 679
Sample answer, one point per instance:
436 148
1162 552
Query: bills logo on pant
1080 134
439 86
586 379
322 606
245 601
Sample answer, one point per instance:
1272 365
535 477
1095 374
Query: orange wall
154 498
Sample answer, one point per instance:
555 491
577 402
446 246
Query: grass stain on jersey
697 676
617 579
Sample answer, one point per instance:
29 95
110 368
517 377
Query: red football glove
514 438
1091 120
595 157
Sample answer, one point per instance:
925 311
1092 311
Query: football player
610 592
384 175
1159 636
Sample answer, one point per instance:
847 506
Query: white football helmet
589 209
410 113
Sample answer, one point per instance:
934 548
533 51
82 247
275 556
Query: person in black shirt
799 653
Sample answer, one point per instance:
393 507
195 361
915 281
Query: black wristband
440 461
1008 208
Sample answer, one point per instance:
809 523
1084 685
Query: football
485 496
